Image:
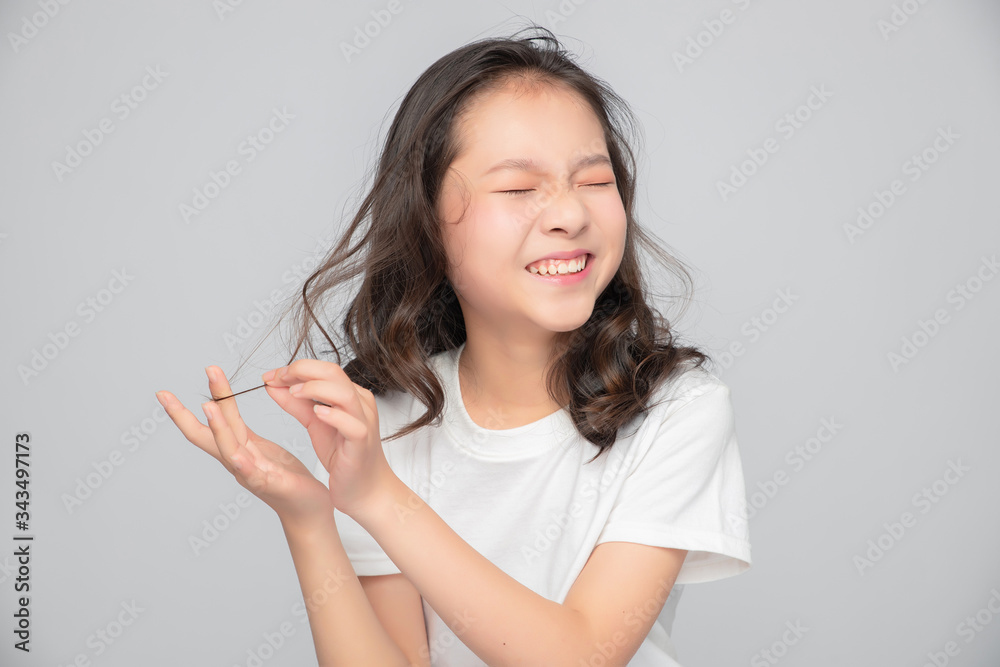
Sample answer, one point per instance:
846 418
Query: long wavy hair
405 309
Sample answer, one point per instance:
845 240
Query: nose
563 209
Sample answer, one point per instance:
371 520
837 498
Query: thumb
299 408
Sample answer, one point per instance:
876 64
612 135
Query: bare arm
608 611
344 626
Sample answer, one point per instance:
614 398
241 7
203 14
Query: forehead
549 124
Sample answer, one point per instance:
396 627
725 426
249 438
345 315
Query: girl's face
556 195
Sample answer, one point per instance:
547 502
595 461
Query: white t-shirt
523 498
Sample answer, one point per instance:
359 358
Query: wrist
308 525
383 503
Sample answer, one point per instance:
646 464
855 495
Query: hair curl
405 309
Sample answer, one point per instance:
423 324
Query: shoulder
398 407
690 412
691 388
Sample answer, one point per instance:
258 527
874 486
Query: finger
273 450
299 408
218 385
367 400
339 392
229 447
193 430
303 371
353 429
354 436
306 369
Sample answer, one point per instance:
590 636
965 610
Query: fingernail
207 410
268 376
210 373
295 388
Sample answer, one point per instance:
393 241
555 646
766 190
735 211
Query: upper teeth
552 266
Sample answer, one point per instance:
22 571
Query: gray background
190 284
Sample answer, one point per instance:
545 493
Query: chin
569 322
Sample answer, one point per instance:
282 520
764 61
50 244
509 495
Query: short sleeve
686 490
364 552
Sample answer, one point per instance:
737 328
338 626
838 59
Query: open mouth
551 267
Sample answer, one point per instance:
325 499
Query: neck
506 381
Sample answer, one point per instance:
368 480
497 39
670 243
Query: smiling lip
565 278
569 254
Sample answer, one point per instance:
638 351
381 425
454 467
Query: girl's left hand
345 435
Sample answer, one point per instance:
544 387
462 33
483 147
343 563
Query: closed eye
518 192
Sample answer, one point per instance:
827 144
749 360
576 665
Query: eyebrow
527 164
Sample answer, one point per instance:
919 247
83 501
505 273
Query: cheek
615 228
615 224
468 254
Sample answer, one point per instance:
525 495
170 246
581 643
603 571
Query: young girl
562 466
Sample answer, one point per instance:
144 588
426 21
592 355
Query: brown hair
405 310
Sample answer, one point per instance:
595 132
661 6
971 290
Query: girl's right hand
265 469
